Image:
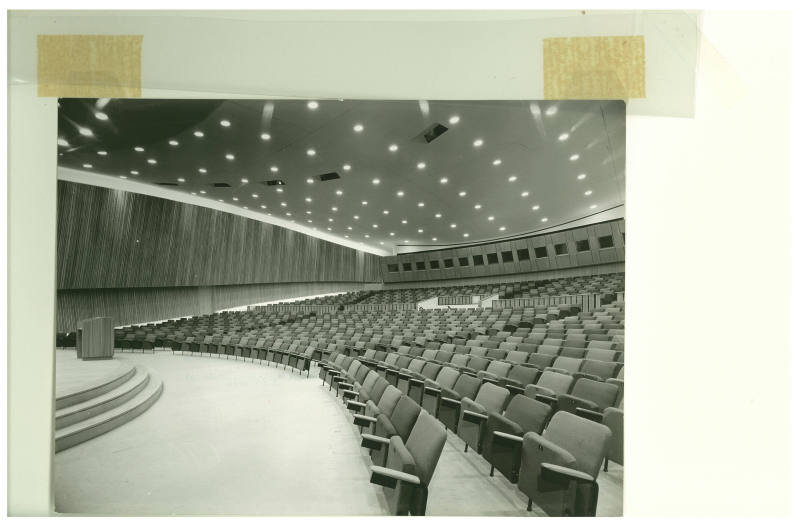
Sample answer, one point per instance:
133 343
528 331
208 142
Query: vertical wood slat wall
115 239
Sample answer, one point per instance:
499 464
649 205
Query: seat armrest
349 393
363 420
355 404
433 391
346 386
551 401
515 390
474 417
560 476
390 477
373 441
453 402
594 416
507 436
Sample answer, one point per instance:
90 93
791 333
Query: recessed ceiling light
265 136
478 142
366 236
421 165
202 170
101 116
349 228
236 199
385 211
244 181
334 208
477 206
355 217
134 172
181 180
220 200
420 204
393 148
229 156
62 142
544 219
452 226
524 194
358 128
151 161
381 242
85 131
536 207
375 226
391 234
255 195
593 206
347 167
552 110
419 231
274 169
283 204
404 221
138 149
512 178
406 241
490 218
199 134
400 193
376 181
202 192
225 123
581 176
433 239
587 193
279 189
309 221
438 215
454 119
497 162
313 104
288 215
466 235
364 202
339 192
329 229
575 157
309 180
308 199
173 142
330 220
311 152
563 136
502 228
123 176
263 206
102 153
443 180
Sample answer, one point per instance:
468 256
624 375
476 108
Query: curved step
105 402
103 386
104 422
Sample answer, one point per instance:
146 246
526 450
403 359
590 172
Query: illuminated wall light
404 221
466 235
334 209
593 206
452 226
462 193
364 202
502 228
375 226
235 199
512 178
279 190
255 195
478 206
490 219
308 199
202 192
385 211
283 204
438 215
391 234
434 239
263 206
355 217
420 204
123 176
309 180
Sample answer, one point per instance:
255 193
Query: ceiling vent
329 176
274 182
433 132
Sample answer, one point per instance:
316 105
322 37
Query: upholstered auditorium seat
559 468
474 414
495 371
504 431
518 378
449 408
399 422
549 386
446 379
588 398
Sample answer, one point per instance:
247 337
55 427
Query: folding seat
450 401
302 361
416 384
548 350
541 360
518 378
333 362
414 369
549 386
450 348
526 347
373 388
416 351
461 350
613 420
478 352
608 355
399 423
599 344
403 350
572 352
502 446
597 369
391 372
567 364
495 371
507 346
420 341
445 380
433 344
588 398
386 404
459 361
516 357
559 468
575 341
475 343
475 365
557 342
354 379
389 362
443 357
474 414
491 344
596 335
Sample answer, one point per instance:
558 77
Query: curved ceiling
500 169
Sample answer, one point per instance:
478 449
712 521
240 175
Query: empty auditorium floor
229 437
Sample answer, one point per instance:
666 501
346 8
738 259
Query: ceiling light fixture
502 228
279 189
181 180
101 116
173 142
497 162
581 176
490 218
347 167
443 180
311 152
138 149
524 194
421 165
85 131
376 181
230 156
420 204
563 136
536 207
199 134
62 142
393 148
477 206
574 157
438 215
462 193
309 180
313 104
400 193
552 110
202 192
454 119
265 136
363 202
385 211
274 169
235 199
593 206
478 142
512 178
102 153
433 239
404 221
358 128
225 123
202 170
244 181
452 226
544 219
308 199
134 172
339 192
151 161
123 176
587 193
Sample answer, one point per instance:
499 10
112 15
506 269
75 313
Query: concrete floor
235 438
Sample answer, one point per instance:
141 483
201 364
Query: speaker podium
95 338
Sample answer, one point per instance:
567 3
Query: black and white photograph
419 302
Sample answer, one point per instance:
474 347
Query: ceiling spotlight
245 207
202 170
236 199
349 228
220 200
462 193
330 220
173 142
265 136
385 211
477 206
512 178
138 149
346 236
466 235
363 202
329 229
478 142
255 195
358 128
497 162
502 228
421 165
490 219
581 176
419 231
313 104
339 192
151 161
283 204
346 167
308 199
263 206
593 206
134 172
274 169
587 193
563 136
334 208
536 207
375 226
199 134
443 180
123 176
355 217
452 226
433 239
311 152
309 180
552 110
85 131
366 236
309 221
244 181
454 119
225 123
574 157
406 241
181 180
279 189
62 142
381 242
400 193
391 234
438 215
102 153
544 219
393 148
202 192
524 194
288 215
404 221
420 204
376 181
101 116
229 156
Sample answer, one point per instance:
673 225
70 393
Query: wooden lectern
95 338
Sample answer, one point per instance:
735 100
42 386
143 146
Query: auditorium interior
337 307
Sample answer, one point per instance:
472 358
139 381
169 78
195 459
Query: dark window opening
522 254
491 258
508 256
393 268
606 241
448 262
434 264
561 249
406 266
582 245
421 266
477 260
463 261
540 252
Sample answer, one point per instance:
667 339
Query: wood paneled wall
115 239
572 258
140 305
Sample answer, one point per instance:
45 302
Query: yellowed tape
596 67
89 66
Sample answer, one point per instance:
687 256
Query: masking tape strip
90 66
596 67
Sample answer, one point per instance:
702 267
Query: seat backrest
608 355
389 399
443 356
425 444
546 349
447 377
541 360
467 386
378 389
492 397
603 394
391 359
517 357
552 342
478 363
598 344
403 361
497 354
529 413
527 348
404 415
584 439
447 347
369 354
572 365
459 360
429 354
602 369
478 352
431 370
523 374
557 382
416 365
491 344
572 352
499 369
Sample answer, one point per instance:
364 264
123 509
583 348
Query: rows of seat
609 283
